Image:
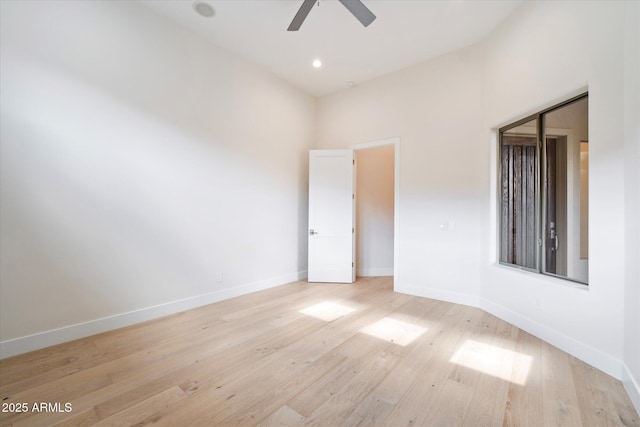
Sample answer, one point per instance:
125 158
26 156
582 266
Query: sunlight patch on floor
395 331
498 362
327 310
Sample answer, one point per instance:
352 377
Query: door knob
312 232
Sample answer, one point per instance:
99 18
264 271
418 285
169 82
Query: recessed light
203 9
316 63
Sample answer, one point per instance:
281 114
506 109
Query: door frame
395 141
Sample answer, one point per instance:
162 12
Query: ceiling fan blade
301 15
360 11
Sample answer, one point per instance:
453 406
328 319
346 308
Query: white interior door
331 216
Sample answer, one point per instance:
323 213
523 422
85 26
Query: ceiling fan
357 9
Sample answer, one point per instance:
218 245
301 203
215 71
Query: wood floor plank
524 400
285 416
62 390
419 403
80 419
490 392
591 391
559 401
344 400
617 398
456 393
250 402
395 386
315 354
219 369
328 342
47 364
58 367
145 410
370 412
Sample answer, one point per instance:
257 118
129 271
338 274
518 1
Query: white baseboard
374 272
439 294
44 339
632 386
582 351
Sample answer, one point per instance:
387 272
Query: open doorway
376 201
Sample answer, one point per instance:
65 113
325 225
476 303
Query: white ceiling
405 32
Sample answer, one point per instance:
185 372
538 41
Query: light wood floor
315 354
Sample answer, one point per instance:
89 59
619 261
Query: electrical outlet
219 277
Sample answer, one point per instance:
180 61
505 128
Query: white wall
447 111
141 167
540 55
374 211
441 180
